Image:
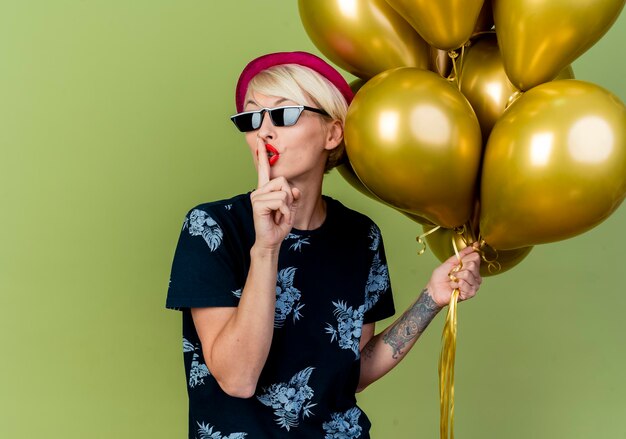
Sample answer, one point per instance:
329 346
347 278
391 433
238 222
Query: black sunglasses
280 117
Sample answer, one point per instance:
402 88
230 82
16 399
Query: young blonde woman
280 289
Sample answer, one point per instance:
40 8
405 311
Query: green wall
114 122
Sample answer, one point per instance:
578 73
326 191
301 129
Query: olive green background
114 122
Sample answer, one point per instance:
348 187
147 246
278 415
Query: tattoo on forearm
412 323
368 349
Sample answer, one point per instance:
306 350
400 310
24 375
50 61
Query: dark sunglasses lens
248 121
285 117
281 117
255 120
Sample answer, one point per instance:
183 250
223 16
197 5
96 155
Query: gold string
454 77
462 232
493 266
458 82
422 236
447 357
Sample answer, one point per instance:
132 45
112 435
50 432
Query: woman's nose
267 129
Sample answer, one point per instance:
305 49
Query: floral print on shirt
375 236
343 425
291 400
287 298
205 431
198 370
377 282
299 241
200 223
349 326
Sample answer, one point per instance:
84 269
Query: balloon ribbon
420 239
446 360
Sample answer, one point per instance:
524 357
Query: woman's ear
334 135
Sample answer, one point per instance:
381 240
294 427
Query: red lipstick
272 154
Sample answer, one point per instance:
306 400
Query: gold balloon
414 141
495 262
418 219
440 62
554 165
538 38
485 83
444 24
484 22
348 174
363 37
346 171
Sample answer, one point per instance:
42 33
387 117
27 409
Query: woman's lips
272 154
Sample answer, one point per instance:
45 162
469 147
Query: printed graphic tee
330 282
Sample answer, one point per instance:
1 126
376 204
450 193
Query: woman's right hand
274 204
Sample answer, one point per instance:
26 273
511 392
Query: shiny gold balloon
418 219
440 62
363 37
348 174
554 165
538 38
485 83
494 262
346 171
444 24
484 22
414 141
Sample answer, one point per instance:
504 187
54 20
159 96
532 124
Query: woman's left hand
468 277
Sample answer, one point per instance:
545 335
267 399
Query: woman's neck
311 210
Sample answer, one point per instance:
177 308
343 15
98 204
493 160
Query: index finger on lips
263 163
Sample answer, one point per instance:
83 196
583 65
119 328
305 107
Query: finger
465 288
453 260
283 213
472 266
472 257
270 204
272 191
467 251
296 193
278 215
263 163
467 294
467 276
275 186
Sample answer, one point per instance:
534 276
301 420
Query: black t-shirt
330 281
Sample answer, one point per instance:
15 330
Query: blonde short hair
304 86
